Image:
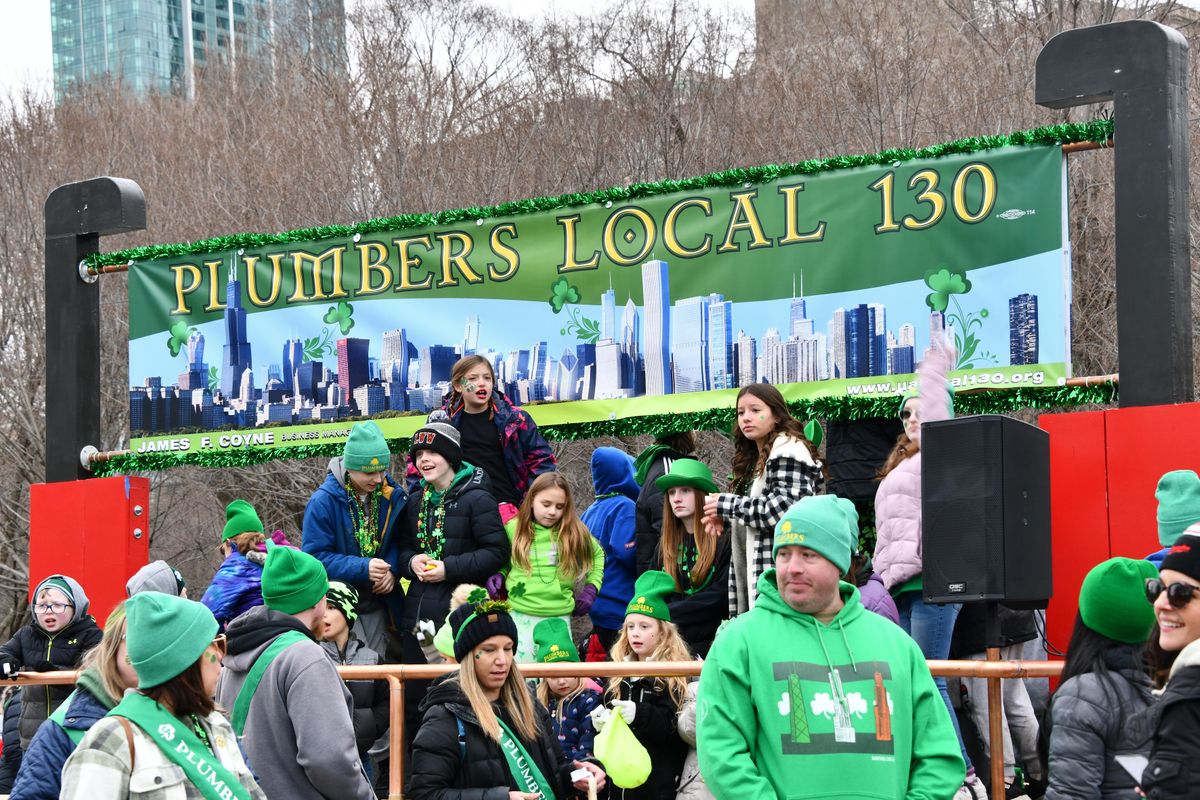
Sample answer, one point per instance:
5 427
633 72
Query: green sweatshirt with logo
790 707
543 591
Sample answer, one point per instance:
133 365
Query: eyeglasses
1178 594
52 608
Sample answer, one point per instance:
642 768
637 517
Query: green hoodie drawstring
846 642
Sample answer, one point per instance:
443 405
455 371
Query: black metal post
76 216
1142 68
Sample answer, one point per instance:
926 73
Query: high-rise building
1023 329
307 377
878 339
470 341
689 329
799 325
352 369
539 368
656 302
161 45
396 354
720 343
769 364
745 360
293 357
608 313
437 361
196 375
900 359
235 356
860 335
837 344
907 336
370 399
633 376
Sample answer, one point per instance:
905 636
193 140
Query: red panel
1078 512
1144 443
97 531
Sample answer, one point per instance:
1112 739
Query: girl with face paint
497 437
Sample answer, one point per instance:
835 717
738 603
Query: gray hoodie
298 738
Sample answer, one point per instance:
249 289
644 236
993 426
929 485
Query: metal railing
994 670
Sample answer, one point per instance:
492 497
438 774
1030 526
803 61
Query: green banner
827 284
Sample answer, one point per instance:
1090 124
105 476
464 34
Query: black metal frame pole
1141 67
76 216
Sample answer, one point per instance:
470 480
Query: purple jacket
237 586
875 598
898 500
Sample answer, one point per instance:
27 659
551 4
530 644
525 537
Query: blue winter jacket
40 777
236 588
573 721
328 534
612 520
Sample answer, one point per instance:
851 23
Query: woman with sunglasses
167 739
1095 714
1174 769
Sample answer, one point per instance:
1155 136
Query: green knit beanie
1112 600
825 523
240 517
366 450
292 580
552 638
650 592
166 634
1178 496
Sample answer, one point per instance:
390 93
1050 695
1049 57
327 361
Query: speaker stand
994 699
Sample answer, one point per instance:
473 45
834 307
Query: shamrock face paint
475 386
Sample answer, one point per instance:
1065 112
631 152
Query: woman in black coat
474 716
1174 768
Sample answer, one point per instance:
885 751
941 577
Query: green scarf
523 768
180 744
641 464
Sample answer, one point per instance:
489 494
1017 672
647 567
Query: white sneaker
972 789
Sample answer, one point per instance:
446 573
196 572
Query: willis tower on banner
235 359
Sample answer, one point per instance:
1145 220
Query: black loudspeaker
985 507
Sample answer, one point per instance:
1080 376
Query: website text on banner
825 284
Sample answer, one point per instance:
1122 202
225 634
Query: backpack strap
128 739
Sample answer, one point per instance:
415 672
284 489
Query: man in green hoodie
808 695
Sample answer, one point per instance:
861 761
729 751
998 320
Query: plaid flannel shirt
99 766
786 479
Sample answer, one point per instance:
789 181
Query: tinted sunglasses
1178 594
906 413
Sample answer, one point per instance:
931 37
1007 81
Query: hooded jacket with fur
36 649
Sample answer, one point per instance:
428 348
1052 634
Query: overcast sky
25 34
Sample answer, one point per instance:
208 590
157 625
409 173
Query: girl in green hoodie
556 565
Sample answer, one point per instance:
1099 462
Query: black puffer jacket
39 651
699 614
371 698
1094 719
475 547
655 724
648 527
10 761
1174 769
444 769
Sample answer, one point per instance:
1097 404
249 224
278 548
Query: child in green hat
699 565
650 705
570 700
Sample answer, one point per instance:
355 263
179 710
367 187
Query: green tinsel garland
721 419
1099 130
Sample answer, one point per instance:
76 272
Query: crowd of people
476 556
